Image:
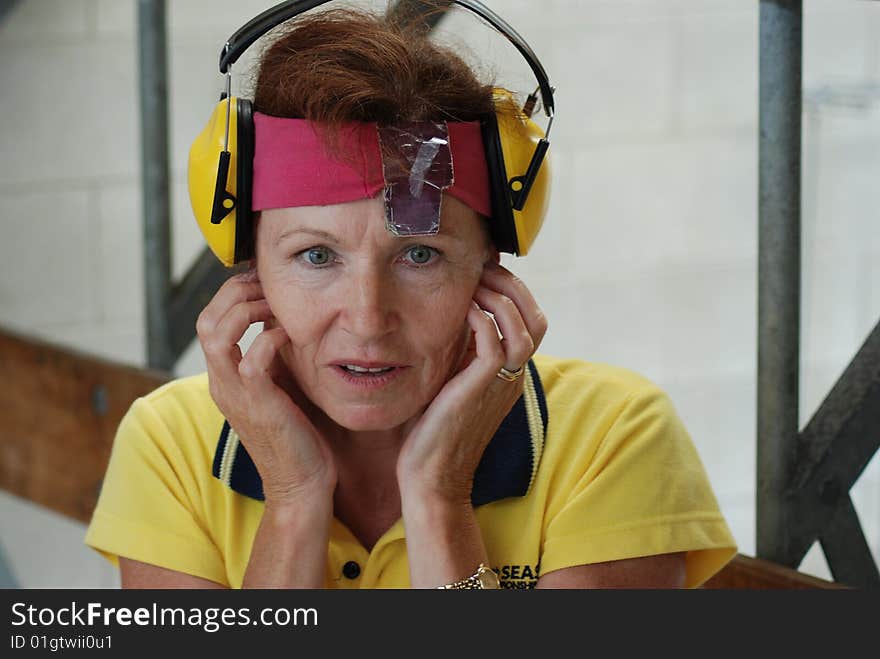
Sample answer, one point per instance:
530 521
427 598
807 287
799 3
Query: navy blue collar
507 468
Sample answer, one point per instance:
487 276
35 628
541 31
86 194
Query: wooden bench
750 573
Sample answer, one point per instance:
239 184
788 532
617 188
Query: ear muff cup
231 236
510 139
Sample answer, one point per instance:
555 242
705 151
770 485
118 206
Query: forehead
356 219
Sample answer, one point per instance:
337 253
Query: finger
490 355
501 279
517 342
257 365
223 383
221 347
239 288
261 355
238 319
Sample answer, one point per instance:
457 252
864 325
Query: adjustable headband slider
224 54
520 186
224 203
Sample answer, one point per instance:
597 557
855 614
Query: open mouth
361 371
371 377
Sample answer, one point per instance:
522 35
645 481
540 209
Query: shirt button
351 570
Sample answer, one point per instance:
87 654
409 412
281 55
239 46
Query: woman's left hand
443 449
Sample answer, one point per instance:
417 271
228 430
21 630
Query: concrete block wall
648 257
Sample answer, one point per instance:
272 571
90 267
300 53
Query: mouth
361 370
368 374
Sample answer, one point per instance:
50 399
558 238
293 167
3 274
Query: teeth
360 369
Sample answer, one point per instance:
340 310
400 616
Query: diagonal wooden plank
849 417
58 415
834 448
846 549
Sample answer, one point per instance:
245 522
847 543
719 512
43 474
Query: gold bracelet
483 579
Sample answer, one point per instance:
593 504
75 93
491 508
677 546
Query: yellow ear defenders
221 157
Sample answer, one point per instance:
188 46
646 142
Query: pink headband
292 166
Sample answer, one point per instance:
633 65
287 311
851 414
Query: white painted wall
647 260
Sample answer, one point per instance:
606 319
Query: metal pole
779 271
155 178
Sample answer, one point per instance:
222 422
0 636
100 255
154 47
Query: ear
249 269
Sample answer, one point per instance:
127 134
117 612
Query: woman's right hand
292 458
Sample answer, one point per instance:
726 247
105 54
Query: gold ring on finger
511 376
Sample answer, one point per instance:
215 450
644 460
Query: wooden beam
58 415
746 572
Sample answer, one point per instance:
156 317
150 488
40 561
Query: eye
316 255
420 254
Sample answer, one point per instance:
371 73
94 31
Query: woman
383 430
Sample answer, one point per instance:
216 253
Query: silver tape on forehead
417 166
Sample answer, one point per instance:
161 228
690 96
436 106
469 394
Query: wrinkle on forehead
358 221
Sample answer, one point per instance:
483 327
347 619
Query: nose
369 312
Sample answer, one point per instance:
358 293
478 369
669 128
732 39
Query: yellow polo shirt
592 464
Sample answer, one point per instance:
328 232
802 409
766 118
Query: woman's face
351 295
